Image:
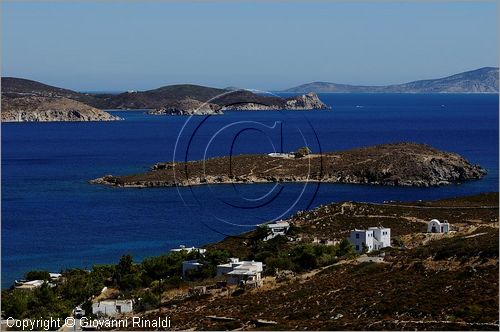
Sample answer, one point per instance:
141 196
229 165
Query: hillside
483 80
424 282
19 87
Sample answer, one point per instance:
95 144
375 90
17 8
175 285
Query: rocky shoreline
402 164
47 109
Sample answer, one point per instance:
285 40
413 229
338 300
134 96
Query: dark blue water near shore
53 219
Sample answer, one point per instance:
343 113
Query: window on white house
357 235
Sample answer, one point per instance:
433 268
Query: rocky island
401 164
43 109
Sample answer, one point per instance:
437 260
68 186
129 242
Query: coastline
414 254
463 202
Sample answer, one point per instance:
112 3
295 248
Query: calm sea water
53 219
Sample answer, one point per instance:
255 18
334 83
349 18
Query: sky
112 46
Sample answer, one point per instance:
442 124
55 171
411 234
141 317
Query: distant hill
16 87
170 96
483 80
20 87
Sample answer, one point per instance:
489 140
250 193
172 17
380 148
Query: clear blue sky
122 46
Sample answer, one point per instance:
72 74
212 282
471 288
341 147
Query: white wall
358 237
374 238
111 308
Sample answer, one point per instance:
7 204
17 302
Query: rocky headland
43 109
189 106
402 164
305 102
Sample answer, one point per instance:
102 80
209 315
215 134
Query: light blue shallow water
53 219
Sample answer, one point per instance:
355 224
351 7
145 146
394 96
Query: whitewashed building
29 284
281 155
373 238
188 249
112 307
435 226
277 228
241 272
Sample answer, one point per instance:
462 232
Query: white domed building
435 226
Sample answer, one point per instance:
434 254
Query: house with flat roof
277 228
112 307
281 155
188 249
55 276
373 238
435 226
241 272
29 285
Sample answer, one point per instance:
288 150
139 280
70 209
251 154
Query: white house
190 265
188 249
112 307
29 284
277 228
55 276
246 272
435 226
374 238
281 155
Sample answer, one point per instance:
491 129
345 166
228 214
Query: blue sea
53 219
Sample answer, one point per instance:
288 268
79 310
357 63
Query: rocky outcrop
303 102
308 101
188 106
44 109
402 164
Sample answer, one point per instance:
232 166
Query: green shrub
37 275
281 262
147 300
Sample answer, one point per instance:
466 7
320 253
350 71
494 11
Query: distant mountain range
483 80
